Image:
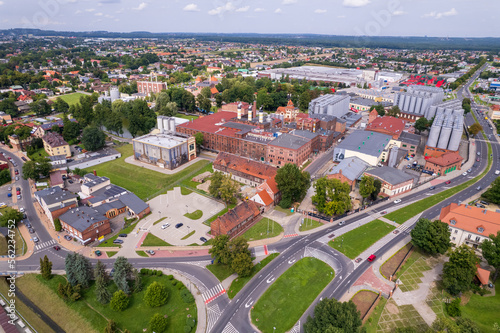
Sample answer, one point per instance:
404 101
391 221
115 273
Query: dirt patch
392 308
388 268
204 186
363 300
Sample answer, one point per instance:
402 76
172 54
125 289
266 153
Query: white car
21 209
464 174
497 172
397 201
165 226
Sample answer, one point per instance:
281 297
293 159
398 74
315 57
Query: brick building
387 125
445 163
85 224
289 112
243 170
148 87
237 220
288 148
55 202
394 181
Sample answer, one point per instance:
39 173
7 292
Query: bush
159 273
156 295
174 282
180 285
151 272
57 224
170 277
285 203
186 296
453 308
158 323
144 271
187 329
191 322
119 301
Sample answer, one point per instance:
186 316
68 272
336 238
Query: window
478 239
456 231
453 222
469 236
480 229
453 238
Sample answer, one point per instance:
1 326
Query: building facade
394 181
148 87
243 170
54 145
444 164
237 220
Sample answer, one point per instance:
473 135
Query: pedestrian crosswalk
213 293
230 329
296 328
290 235
213 314
403 227
43 245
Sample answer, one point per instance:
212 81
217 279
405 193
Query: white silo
172 124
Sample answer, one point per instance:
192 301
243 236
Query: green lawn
371 326
142 253
158 221
290 295
485 311
189 183
111 253
143 182
220 271
71 99
309 224
127 230
196 215
222 212
240 282
19 245
260 230
354 242
152 240
183 116
137 315
288 212
39 154
185 191
404 214
189 235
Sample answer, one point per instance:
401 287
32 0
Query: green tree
432 237
82 270
156 295
110 327
491 252
100 272
55 129
119 301
203 102
305 99
378 186
30 171
60 106
242 265
102 293
158 323
492 194
366 187
5 176
421 124
137 280
292 183
475 128
46 268
460 270
329 315
219 249
215 183
123 269
10 215
206 92
199 140
93 138
71 130
57 224
228 190
69 263
379 108
41 108
394 111
332 196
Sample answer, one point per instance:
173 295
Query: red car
372 257
448 182
18 192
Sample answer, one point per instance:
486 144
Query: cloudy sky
453 18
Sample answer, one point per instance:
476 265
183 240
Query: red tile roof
265 197
446 159
483 275
470 218
244 165
212 123
245 211
387 125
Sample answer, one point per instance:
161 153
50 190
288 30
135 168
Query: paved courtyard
172 206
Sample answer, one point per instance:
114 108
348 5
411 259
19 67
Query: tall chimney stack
95 173
239 110
250 113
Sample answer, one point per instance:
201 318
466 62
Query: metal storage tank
115 94
456 137
407 103
159 121
401 101
166 124
172 124
418 106
413 101
433 136
444 136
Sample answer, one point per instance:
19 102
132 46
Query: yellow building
54 145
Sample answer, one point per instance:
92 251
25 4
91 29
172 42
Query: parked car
397 201
478 188
478 153
383 212
35 239
10 188
9 195
478 205
151 252
70 181
482 202
21 209
372 257
432 187
464 174
17 178
165 226
341 222
68 237
122 235
477 159
16 172
203 239
118 241
178 225
23 158
18 197
31 230
448 182
98 253
469 171
3 205
57 247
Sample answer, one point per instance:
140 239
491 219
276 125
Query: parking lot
173 206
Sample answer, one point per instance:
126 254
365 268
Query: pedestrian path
290 235
230 329
213 314
45 245
213 293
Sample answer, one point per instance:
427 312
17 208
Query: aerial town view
249 166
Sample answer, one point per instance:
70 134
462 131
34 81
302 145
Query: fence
402 262
371 308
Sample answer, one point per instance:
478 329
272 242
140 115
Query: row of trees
233 253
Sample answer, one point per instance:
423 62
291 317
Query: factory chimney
239 110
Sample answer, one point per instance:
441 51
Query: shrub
170 277
180 285
158 323
144 271
285 203
159 273
119 301
151 271
453 308
186 296
187 329
156 295
174 282
191 322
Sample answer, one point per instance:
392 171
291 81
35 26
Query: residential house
237 220
54 201
85 224
243 170
54 145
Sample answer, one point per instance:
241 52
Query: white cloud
90 10
436 15
289 2
78 12
278 10
98 14
228 7
242 9
398 12
1 3
355 3
341 16
258 10
192 7
320 11
141 6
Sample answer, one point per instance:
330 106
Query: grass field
240 282
183 116
142 253
220 271
143 182
19 246
196 215
111 253
152 240
290 295
484 310
371 326
260 229
135 318
189 183
363 300
286 211
309 224
71 99
354 242
25 311
188 235
185 191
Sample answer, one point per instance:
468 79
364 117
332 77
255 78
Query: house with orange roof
387 125
243 170
445 163
272 189
263 198
470 225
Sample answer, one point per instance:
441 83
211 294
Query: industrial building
446 130
371 147
148 87
332 105
417 101
166 149
316 73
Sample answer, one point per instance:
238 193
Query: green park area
265 228
145 183
71 99
88 315
196 215
354 242
152 240
290 295
484 310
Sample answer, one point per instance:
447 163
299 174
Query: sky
433 18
